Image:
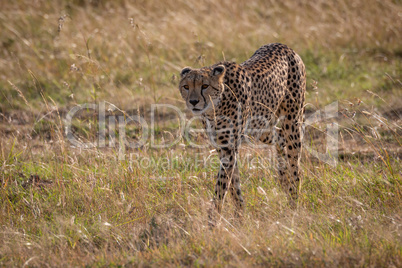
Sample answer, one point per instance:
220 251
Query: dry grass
63 206
122 51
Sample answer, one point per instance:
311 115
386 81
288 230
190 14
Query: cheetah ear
185 71
219 70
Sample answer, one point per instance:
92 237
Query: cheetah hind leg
288 157
276 137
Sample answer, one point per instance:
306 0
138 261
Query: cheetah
245 102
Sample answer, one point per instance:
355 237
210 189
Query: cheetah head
202 88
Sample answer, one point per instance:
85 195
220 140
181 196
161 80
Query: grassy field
61 205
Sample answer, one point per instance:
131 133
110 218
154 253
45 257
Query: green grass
114 206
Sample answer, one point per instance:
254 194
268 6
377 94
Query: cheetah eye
185 87
204 86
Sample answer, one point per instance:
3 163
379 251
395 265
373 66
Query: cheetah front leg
236 193
228 178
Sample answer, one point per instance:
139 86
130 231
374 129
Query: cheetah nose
194 102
